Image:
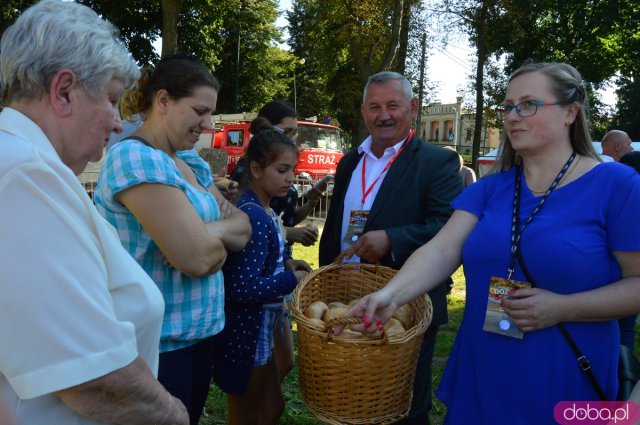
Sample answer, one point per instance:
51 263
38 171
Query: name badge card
495 319
357 220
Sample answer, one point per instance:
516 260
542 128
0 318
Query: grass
296 412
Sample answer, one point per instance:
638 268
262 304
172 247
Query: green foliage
264 71
628 115
139 22
10 10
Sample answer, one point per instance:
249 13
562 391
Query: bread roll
349 334
393 326
316 310
336 304
317 324
335 312
405 315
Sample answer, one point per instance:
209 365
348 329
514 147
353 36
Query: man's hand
371 246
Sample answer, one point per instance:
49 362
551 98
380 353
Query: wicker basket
350 380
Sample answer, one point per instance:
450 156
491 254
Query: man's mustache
390 121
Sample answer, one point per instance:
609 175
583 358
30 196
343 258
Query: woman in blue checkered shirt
159 195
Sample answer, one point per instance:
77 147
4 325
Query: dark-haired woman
160 196
255 283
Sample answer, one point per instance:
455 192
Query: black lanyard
516 231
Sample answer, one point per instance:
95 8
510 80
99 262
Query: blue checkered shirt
194 306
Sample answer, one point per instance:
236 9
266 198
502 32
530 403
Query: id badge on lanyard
496 320
357 221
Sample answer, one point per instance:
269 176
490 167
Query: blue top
492 379
194 306
249 284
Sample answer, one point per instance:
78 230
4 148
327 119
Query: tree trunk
170 14
400 61
482 58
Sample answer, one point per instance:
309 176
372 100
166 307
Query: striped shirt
194 306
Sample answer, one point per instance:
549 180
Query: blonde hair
567 85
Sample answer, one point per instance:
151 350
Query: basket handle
353 321
339 259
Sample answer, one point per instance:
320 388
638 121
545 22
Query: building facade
453 124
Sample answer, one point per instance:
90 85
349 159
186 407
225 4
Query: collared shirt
194 306
74 305
354 195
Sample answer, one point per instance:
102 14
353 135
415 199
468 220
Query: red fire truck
319 145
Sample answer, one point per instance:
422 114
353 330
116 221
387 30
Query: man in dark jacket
392 195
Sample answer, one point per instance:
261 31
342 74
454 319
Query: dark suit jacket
412 205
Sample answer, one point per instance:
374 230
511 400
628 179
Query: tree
10 10
170 16
350 40
479 19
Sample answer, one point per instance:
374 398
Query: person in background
539 212
615 144
256 279
159 194
394 168
632 159
467 174
628 324
80 319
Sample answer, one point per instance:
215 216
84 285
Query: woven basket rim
417 329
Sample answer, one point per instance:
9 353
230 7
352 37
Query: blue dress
492 379
249 282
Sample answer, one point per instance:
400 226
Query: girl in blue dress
256 279
572 219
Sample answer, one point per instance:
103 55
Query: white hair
385 77
54 35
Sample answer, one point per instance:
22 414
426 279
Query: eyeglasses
289 132
526 108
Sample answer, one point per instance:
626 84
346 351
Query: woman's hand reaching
375 310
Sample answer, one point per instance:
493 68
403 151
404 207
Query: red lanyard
366 192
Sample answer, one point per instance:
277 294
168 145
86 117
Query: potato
317 324
335 312
316 310
393 326
405 315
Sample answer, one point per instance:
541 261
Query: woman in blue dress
572 219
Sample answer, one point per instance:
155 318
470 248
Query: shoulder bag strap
583 361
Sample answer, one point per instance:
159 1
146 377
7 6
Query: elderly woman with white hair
81 321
